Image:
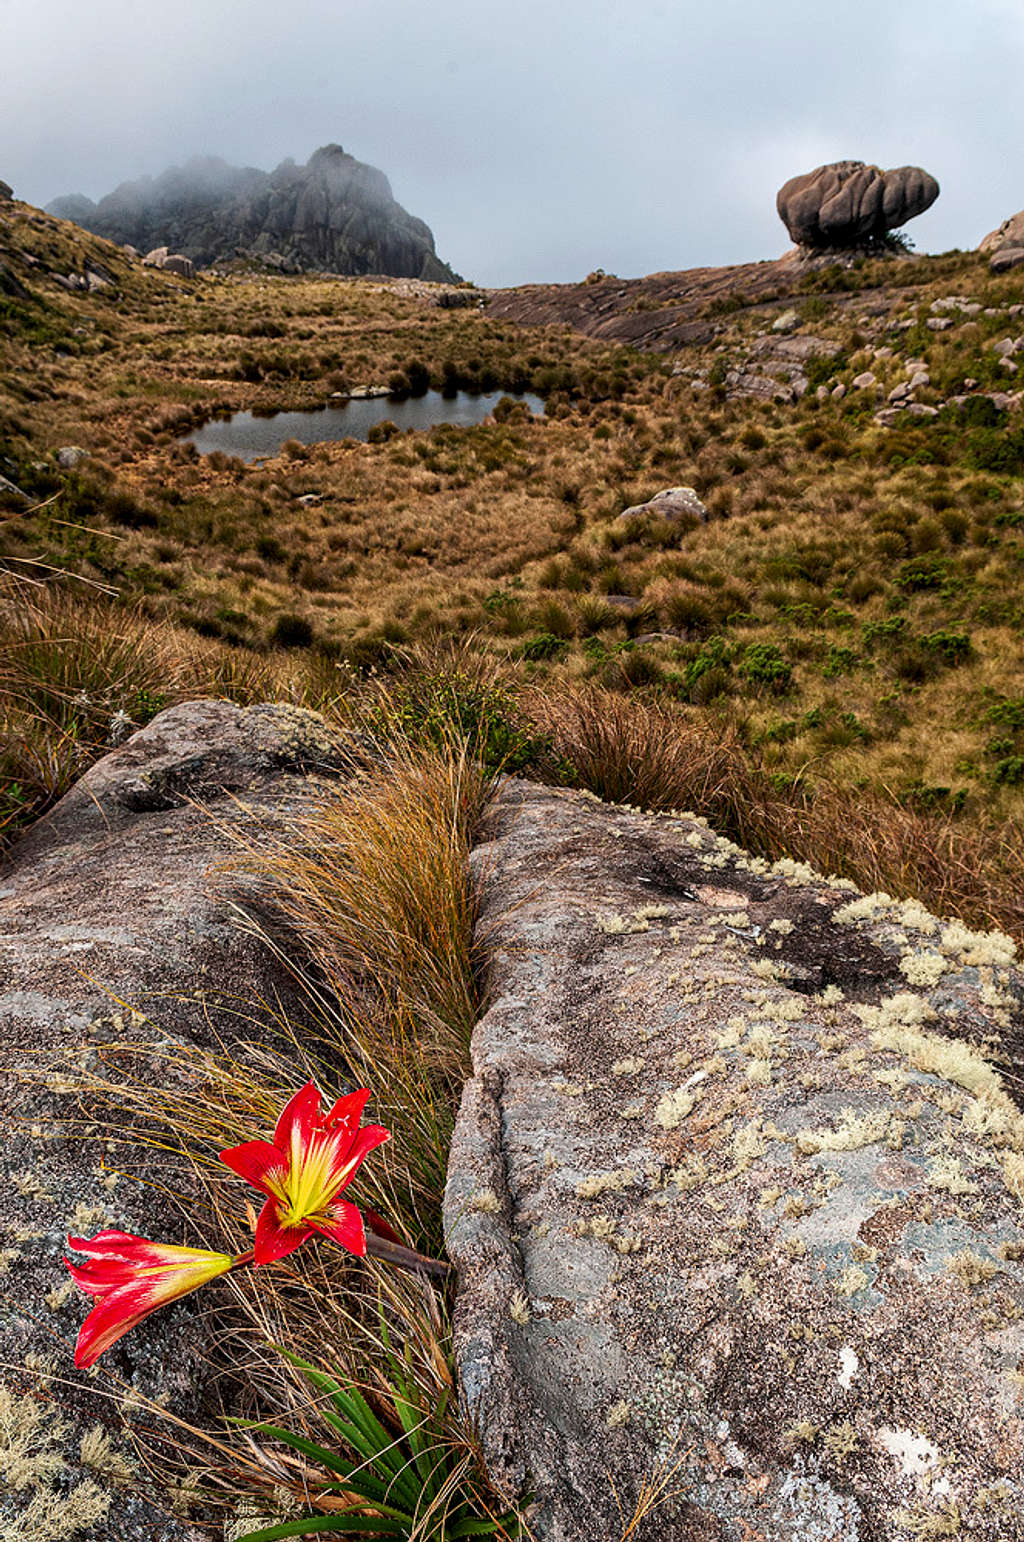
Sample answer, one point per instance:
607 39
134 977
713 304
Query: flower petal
345 1227
377 1224
344 1117
107 1322
298 1119
273 1240
347 1163
127 1289
258 1162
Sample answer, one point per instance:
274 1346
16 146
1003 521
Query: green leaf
341 1525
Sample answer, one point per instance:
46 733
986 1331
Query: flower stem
405 1258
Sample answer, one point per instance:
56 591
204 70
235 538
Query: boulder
734 1197
1009 234
849 204
114 935
670 503
1006 259
176 263
71 455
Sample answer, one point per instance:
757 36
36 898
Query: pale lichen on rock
821 1231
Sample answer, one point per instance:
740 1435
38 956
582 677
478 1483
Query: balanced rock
735 1195
849 203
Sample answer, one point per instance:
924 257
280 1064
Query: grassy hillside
849 615
829 668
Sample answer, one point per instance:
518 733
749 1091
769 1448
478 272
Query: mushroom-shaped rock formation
850 204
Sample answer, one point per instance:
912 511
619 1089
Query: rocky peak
335 214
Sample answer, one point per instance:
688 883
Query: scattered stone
847 203
901 393
11 490
71 455
170 262
175 262
888 417
671 503
839 391
792 1274
864 381
747 384
310 500
939 323
922 410
787 322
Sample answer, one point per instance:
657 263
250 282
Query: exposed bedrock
734 1202
116 931
848 203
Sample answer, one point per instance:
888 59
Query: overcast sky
538 138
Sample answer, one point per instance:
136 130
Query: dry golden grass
628 750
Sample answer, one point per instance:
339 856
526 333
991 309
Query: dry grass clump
630 750
79 673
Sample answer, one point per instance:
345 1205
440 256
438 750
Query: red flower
314 1157
130 1277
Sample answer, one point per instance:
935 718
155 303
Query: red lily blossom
314 1156
129 1277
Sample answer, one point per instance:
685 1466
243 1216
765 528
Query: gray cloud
539 141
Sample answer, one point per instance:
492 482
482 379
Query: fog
538 140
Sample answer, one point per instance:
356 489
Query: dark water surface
249 437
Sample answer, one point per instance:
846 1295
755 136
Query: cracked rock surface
734 1197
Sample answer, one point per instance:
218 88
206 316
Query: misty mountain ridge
335 214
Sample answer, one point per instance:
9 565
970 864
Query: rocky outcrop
735 1202
170 262
848 203
1005 245
1009 234
114 939
334 214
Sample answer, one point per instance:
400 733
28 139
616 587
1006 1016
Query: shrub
763 665
291 631
380 433
543 645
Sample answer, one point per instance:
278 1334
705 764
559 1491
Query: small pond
249 436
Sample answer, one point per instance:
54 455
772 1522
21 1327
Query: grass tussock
368 898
